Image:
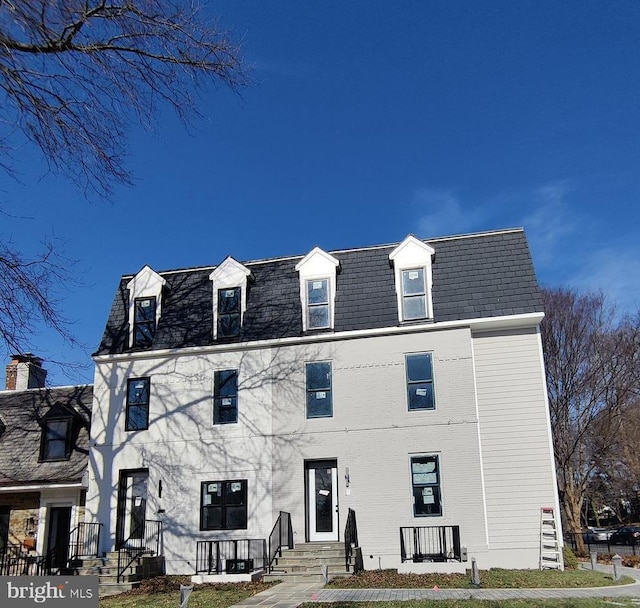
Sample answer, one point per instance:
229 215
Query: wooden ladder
550 550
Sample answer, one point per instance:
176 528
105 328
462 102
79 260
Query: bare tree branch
75 73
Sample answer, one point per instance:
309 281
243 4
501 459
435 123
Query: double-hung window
56 439
425 481
319 398
137 404
229 312
420 394
414 294
223 505
225 396
144 321
318 315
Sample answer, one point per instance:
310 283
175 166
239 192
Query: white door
322 501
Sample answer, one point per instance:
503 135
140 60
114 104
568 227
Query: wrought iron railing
430 544
352 552
281 536
234 556
84 540
586 542
146 539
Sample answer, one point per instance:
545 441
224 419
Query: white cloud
444 213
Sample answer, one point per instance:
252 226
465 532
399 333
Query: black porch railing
430 544
352 551
231 556
281 536
84 540
146 539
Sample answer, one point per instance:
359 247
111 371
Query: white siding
517 458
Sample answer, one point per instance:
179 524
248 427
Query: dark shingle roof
474 276
24 412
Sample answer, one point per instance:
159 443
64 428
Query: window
144 321
56 439
223 505
225 397
420 382
425 481
229 313
414 294
319 401
137 404
318 304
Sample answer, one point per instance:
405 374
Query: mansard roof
24 413
474 276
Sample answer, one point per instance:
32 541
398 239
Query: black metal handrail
231 555
430 544
352 552
144 540
281 536
84 540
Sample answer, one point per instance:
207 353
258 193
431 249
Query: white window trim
411 254
146 284
317 265
229 275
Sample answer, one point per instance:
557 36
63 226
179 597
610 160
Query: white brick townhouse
402 382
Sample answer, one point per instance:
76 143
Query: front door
58 537
132 507
5 513
322 500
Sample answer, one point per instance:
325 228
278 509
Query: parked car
596 535
627 535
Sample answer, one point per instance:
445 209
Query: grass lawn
164 592
566 603
489 579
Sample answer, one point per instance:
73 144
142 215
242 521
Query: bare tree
75 73
74 76
589 380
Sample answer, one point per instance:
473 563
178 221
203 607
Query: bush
570 559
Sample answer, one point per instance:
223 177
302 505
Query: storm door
322 500
57 551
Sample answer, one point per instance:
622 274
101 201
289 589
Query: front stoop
106 568
305 562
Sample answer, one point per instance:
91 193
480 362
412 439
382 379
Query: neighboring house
44 447
402 381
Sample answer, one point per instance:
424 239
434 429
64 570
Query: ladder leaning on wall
550 550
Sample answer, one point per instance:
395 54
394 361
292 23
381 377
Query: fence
430 544
242 555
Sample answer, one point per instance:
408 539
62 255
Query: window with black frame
229 301
420 393
225 396
137 404
425 481
223 505
319 397
144 321
56 439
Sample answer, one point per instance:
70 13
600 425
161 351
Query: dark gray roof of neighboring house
23 413
474 276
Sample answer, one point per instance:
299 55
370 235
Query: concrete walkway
291 595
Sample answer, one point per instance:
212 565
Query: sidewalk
291 595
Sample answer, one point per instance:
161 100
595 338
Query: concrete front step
303 577
106 589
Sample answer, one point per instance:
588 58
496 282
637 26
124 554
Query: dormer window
318 304
414 294
56 439
229 312
145 307
144 321
317 272
3 425
412 261
230 281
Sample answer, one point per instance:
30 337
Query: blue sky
368 121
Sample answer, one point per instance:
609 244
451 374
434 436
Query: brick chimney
25 371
